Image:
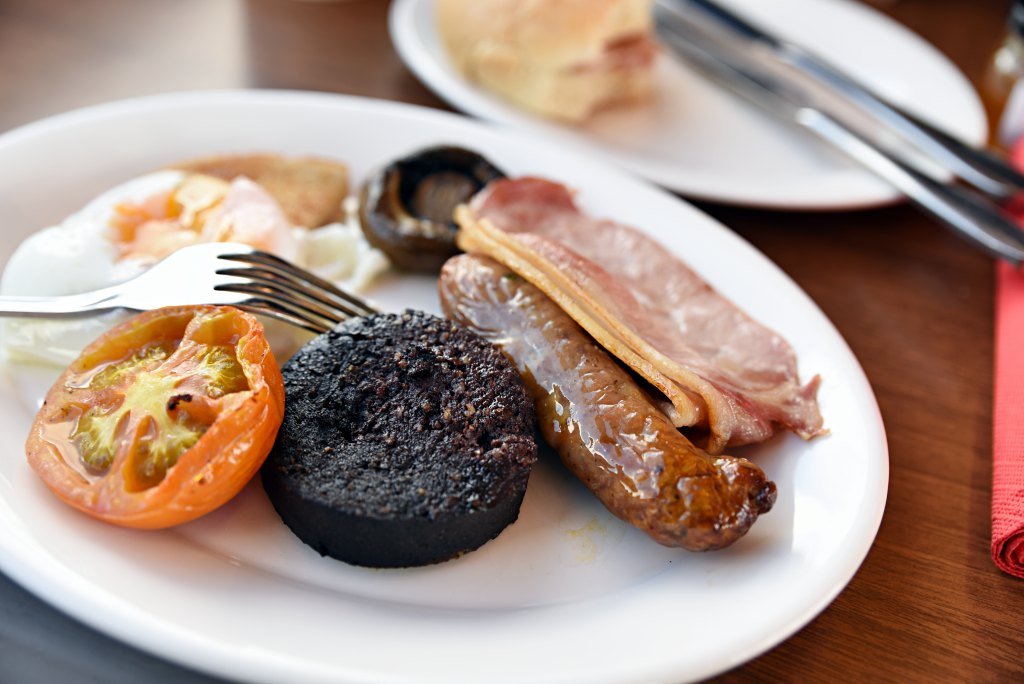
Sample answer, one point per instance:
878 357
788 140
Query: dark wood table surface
913 302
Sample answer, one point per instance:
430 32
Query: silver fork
221 273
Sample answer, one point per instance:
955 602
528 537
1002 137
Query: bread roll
560 58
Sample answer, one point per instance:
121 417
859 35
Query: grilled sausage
603 425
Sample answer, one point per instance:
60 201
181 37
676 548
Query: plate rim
462 96
94 609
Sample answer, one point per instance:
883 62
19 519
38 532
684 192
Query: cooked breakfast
405 209
721 370
162 419
564 59
406 440
604 426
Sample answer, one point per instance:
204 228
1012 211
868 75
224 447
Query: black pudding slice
406 440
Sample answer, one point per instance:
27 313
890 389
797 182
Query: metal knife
969 214
983 169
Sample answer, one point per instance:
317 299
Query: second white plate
702 142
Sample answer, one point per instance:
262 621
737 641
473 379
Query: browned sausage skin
605 428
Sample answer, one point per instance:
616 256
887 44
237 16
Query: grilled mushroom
405 209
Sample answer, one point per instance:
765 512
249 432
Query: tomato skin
207 474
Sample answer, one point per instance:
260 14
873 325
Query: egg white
74 256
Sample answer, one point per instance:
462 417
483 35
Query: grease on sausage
603 425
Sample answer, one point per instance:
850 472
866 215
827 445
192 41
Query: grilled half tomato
162 419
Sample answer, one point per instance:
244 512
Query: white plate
567 594
700 141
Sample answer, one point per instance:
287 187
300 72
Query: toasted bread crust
309 189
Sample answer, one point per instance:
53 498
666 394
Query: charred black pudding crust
406 440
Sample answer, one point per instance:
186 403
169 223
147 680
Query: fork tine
302 274
286 299
285 268
265 307
287 286
281 316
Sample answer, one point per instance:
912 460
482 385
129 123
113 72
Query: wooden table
913 302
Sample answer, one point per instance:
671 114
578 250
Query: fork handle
87 304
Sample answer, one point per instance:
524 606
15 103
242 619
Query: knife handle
970 215
993 172
984 169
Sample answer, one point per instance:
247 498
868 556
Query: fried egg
132 226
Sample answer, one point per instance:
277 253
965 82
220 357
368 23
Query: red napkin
1008 415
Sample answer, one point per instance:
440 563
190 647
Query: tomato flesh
147 395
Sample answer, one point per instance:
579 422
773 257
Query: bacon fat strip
716 364
605 428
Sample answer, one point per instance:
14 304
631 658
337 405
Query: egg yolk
201 209
166 221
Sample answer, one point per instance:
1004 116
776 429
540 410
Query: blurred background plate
704 143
